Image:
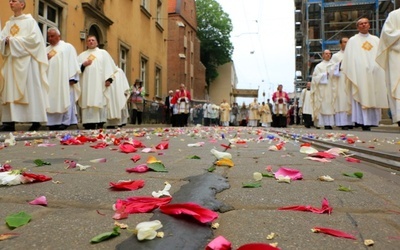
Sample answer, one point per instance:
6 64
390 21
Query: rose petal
258 246
39 201
127 148
140 204
219 243
135 158
325 208
162 146
127 185
201 214
293 174
142 168
333 232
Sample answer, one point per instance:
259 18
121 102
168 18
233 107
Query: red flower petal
162 146
71 141
142 168
99 145
351 159
306 144
135 158
325 155
127 148
226 146
200 213
140 204
333 232
138 144
325 208
36 177
127 185
257 246
219 243
84 139
351 140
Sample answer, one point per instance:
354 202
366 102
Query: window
123 57
159 11
49 15
143 74
145 4
157 82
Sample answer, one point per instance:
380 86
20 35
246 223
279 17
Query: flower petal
127 148
140 204
127 185
293 174
200 213
39 201
135 158
99 160
142 168
219 243
333 232
258 246
163 145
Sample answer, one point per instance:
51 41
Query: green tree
213 29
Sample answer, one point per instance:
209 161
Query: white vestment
305 102
63 67
366 79
388 57
24 92
117 96
340 91
92 80
321 95
225 108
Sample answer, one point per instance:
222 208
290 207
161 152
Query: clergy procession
352 87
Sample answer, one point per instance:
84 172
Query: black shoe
54 127
366 128
7 127
35 126
89 125
63 127
307 126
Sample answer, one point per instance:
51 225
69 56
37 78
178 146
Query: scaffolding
319 25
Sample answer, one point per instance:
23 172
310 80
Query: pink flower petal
200 213
142 168
293 174
148 150
139 204
257 246
219 243
39 201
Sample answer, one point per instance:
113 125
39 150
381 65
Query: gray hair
55 30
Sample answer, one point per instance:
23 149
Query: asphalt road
80 202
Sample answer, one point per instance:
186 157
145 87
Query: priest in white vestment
321 93
24 91
341 91
97 68
63 75
388 57
117 97
225 109
305 106
365 77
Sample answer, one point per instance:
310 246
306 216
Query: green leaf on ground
40 162
157 166
268 175
345 189
105 236
211 169
18 219
358 175
194 157
251 184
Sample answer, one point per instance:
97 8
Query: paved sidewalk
80 202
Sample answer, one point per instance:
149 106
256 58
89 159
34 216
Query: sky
264 44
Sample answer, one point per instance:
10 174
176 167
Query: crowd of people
44 84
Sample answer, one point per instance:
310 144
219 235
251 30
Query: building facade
184 65
224 86
135 33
